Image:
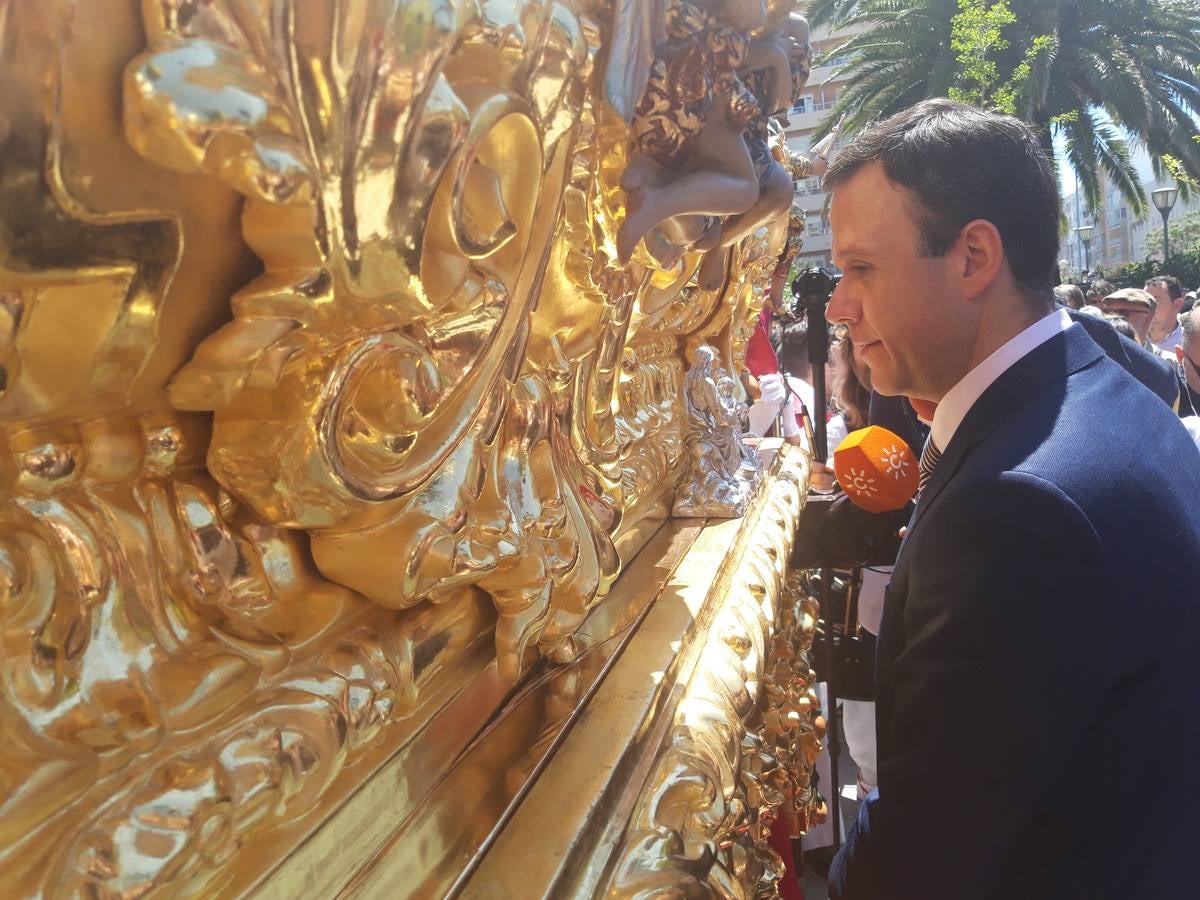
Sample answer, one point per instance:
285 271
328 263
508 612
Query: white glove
772 389
791 428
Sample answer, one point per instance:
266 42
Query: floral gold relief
352 353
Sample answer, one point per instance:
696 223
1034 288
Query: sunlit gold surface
671 780
331 420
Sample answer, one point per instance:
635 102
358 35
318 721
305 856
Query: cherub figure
703 131
789 63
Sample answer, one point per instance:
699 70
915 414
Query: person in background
845 377
849 387
1070 296
1120 326
1165 333
781 391
851 381
1137 307
1098 290
1187 352
1189 302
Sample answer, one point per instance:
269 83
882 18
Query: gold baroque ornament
367 389
702 821
341 531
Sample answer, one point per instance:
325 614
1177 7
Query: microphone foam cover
876 469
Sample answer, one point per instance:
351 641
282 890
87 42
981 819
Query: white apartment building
1119 236
809 112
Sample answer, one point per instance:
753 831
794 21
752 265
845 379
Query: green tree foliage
1184 265
1185 235
1095 72
977 37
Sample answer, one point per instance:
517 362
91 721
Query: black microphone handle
818 355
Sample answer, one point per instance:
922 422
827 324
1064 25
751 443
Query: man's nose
842 310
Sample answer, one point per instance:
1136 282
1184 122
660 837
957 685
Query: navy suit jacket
1038 679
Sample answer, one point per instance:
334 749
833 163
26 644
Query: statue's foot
641 216
639 180
713 269
665 253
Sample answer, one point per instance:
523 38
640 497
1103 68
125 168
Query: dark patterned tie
931 455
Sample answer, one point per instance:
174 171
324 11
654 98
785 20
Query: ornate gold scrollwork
320 375
703 819
366 390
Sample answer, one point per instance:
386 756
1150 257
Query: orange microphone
876 469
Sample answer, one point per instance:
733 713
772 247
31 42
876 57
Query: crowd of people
1035 678
1160 317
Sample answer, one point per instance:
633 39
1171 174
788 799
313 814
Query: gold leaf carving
329 413
703 819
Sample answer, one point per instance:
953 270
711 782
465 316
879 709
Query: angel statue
700 80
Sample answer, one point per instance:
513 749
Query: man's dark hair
1170 282
1069 295
960 163
1100 289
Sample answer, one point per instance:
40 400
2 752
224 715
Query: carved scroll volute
402 174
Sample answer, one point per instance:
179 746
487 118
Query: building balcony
821 242
826 76
807 120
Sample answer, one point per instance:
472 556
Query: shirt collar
1172 340
953 407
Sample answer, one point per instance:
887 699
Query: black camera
834 532
814 286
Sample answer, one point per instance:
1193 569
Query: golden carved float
352 355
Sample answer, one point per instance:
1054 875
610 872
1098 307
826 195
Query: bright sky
1066 175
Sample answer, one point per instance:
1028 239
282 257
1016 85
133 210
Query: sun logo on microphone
862 483
894 459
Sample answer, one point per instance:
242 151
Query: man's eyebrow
854 250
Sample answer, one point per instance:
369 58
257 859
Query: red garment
789 885
760 355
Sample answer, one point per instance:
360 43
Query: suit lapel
1061 356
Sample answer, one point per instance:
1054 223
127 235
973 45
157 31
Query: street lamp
1085 233
1164 200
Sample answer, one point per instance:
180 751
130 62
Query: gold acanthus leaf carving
184 820
703 818
367 389
793 728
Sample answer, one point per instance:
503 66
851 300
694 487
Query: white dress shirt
1192 424
1171 341
954 407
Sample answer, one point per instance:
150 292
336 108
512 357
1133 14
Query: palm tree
1094 72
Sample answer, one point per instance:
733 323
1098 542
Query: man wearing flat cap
1136 307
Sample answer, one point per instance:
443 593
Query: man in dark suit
1037 682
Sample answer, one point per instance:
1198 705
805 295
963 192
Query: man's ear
982 253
